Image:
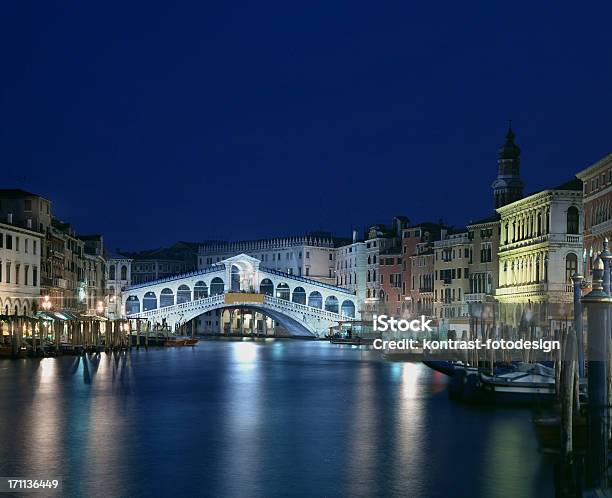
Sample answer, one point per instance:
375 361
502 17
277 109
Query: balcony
551 238
514 290
60 282
475 297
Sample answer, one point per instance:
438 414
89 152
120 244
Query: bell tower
508 187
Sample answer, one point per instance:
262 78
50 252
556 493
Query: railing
283 303
203 271
475 297
306 280
522 289
217 299
538 239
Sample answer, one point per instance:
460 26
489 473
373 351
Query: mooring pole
577 280
598 305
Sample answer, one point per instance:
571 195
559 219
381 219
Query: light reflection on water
258 419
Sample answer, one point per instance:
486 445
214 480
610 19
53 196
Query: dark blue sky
151 122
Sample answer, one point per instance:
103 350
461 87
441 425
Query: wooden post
578 326
598 304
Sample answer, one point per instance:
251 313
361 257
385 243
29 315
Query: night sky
151 123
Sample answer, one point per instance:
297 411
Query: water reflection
264 418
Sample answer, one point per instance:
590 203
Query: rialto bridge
305 307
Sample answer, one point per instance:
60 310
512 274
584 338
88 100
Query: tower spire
508 187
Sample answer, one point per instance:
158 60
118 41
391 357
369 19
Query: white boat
529 383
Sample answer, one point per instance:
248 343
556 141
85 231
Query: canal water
258 419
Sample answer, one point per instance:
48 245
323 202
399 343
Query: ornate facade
540 247
597 200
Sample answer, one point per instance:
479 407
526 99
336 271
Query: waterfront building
379 239
422 280
539 251
149 265
452 256
62 279
418 267
311 256
597 205
25 209
118 278
65 287
95 274
390 274
20 250
351 267
483 268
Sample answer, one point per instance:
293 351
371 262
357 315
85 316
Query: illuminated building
452 255
597 202
19 269
540 247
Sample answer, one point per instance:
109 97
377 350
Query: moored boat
528 383
180 341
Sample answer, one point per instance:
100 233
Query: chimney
354 236
29 223
9 218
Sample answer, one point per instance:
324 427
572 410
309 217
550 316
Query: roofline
541 193
602 162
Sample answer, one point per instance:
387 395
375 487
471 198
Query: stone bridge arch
304 303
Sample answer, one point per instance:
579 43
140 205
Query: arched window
282 291
200 290
572 220
348 308
123 272
217 286
571 266
183 294
266 287
315 300
149 301
111 272
132 305
166 298
299 295
235 279
331 304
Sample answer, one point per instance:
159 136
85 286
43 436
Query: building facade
390 274
483 268
378 240
452 256
311 256
418 267
65 283
95 274
351 267
539 251
20 250
118 278
597 205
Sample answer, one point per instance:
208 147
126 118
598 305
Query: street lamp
46 304
100 307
